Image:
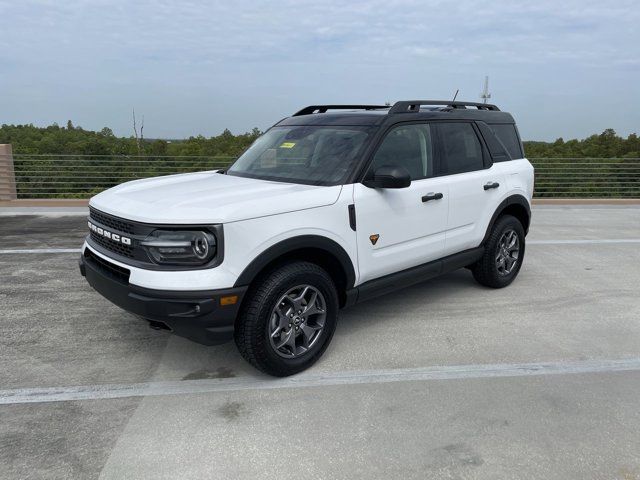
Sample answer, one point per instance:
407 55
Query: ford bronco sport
331 206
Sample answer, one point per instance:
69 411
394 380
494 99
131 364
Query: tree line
605 145
74 140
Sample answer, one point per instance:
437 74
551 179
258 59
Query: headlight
180 247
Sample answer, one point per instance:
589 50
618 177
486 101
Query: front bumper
196 315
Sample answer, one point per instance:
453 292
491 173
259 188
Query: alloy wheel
507 252
297 321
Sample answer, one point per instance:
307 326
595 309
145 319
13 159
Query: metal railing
81 176
587 177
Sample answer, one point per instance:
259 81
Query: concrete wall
7 175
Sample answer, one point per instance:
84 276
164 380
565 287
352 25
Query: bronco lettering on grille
110 235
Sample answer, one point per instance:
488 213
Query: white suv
331 206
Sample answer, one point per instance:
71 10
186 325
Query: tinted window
460 148
497 150
408 146
509 137
297 154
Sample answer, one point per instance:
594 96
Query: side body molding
299 243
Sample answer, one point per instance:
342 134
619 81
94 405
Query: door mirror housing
388 176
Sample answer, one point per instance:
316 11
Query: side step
411 276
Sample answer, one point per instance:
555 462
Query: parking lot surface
445 379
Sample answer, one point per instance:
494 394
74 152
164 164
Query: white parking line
51 212
595 241
41 250
187 387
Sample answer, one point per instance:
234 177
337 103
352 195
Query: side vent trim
352 217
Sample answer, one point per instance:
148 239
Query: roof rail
323 108
406 106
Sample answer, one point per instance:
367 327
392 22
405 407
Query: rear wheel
288 319
503 255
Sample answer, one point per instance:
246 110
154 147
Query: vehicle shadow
452 287
186 360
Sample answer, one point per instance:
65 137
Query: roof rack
323 108
407 106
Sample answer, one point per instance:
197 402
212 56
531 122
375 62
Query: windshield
317 155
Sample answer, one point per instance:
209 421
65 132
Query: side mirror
388 176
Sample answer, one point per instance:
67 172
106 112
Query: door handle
490 185
432 196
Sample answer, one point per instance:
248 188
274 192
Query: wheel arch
311 248
516 205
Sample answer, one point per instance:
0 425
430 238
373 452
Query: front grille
116 225
107 226
110 221
107 268
119 248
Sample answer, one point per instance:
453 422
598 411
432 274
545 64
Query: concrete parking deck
446 379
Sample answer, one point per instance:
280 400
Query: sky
562 68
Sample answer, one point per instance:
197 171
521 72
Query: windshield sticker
288 145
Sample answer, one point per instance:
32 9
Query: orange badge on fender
374 238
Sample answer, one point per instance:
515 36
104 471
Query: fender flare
516 199
296 243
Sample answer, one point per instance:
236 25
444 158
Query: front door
400 228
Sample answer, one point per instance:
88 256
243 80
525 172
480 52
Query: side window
459 147
497 150
507 134
408 146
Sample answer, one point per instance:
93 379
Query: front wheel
288 319
503 254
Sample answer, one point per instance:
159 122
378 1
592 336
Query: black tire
252 330
486 271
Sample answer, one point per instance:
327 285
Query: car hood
208 197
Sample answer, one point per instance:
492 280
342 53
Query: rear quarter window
497 150
508 135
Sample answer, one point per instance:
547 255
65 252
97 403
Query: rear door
404 227
475 185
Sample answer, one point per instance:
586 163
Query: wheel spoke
312 307
291 342
312 300
283 318
307 333
312 310
297 301
289 336
277 332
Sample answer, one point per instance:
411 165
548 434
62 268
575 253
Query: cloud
302 51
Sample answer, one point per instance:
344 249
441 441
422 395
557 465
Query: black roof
406 110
